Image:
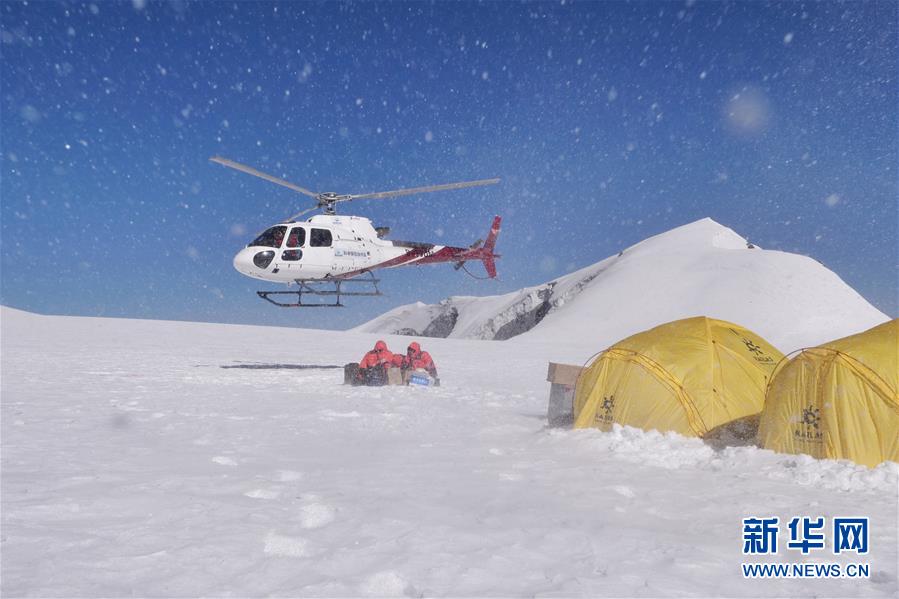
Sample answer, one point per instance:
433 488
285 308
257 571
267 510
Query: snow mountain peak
700 268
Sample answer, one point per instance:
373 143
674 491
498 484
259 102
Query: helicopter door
292 254
318 255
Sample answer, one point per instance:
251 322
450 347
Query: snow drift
702 268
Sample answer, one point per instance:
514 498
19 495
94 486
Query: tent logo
811 416
758 354
810 425
607 407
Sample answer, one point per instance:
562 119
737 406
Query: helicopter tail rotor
494 233
489 245
484 253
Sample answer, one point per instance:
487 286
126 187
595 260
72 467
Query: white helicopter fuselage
327 253
324 247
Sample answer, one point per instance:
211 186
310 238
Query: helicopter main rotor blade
251 171
411 190
301 213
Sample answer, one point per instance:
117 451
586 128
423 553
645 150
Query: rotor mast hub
327 201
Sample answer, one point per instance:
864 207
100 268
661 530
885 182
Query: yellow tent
838 400
687 376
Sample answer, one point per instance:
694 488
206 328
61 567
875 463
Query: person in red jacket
415 359
379 355
373 366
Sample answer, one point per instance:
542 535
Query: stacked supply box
563 377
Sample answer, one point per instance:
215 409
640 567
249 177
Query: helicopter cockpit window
296 238
271 237
320 238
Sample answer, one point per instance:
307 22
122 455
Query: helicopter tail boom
418 254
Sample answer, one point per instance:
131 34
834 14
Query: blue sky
608 123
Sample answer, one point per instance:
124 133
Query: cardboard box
394 376
560 410
351 376
564 374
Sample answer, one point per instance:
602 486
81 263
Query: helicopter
324 254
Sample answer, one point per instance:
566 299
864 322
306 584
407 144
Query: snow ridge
701 268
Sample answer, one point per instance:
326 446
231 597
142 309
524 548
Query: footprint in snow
224 461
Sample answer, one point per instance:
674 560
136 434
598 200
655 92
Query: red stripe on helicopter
399 260
445 254
417 255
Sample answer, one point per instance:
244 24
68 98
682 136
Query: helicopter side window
296 238
320 238
271 237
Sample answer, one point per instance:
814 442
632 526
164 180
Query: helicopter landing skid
330 288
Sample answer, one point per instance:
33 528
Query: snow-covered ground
133 464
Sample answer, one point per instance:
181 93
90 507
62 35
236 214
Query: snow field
132 464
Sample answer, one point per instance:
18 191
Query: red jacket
379 355
415 358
